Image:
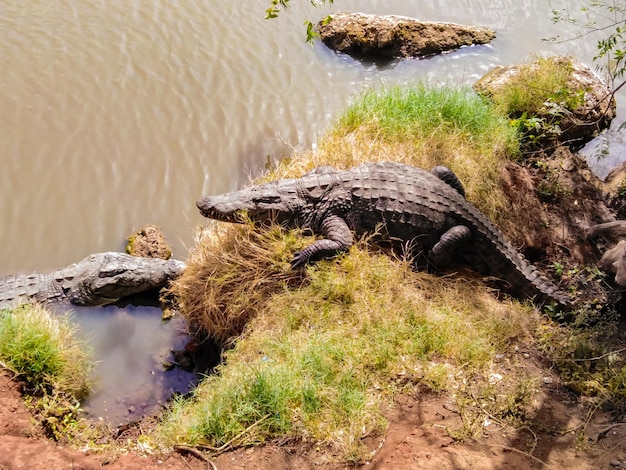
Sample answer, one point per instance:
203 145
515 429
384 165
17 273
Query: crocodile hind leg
446 175
441 254
338 238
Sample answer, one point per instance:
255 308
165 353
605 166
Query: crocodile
98 279
420 208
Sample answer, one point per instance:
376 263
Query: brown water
121 113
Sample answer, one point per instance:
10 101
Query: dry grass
232 272
322 360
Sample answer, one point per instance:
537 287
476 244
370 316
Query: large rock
390 37
569 117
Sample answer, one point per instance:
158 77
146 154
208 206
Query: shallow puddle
130 346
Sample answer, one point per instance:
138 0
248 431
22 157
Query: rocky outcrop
567 115
372 36
556 199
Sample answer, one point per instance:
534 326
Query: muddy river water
121 113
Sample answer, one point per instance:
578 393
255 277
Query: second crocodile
427 209
98 279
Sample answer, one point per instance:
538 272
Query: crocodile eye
266 200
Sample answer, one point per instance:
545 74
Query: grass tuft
590 359
40 349
232 272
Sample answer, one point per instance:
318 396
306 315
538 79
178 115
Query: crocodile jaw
256 204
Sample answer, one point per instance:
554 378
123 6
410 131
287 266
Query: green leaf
271 12
311 34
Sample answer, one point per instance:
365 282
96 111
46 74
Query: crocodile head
265 202
104 278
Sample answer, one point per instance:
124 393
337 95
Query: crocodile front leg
338 238
441 254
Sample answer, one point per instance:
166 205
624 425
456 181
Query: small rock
613 261
149 242
568 164
495 378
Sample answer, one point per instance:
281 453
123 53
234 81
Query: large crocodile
99 279
422 208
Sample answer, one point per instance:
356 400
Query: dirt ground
416 438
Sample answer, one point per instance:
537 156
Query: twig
602 434
227 444
224 447
186 463
530 456
598 357
196 453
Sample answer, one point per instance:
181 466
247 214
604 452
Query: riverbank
416 436
320 356
361 358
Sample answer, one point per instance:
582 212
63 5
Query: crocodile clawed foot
298 261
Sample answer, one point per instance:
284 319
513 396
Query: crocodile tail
522 279
543 291
527 281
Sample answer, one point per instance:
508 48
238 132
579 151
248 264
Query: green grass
40 349
419 113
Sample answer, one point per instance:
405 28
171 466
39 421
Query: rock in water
149 242
390 37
